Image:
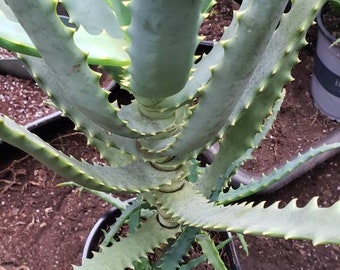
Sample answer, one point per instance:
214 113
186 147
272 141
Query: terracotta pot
326 76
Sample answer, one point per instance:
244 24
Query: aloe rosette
231 97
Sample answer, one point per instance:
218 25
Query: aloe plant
181 108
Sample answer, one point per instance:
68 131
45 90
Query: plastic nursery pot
14 67
204 47
96 236
326 75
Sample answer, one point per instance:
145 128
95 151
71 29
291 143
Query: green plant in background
231 97
335 6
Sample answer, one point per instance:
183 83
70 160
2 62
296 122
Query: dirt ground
44 227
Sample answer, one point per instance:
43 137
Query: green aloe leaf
149 236
168 61
14 37
197 261
229 77
118 150
321 225
135 177
95 16
174 254
210 250
240 139
102 48
275 176
122 11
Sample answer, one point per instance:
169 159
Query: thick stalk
161 56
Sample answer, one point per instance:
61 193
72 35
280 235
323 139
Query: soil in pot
23 99
44 227
332 22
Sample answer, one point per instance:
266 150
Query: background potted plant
231 97
326 77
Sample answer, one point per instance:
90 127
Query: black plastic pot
14 67
204 47
326 75
96 236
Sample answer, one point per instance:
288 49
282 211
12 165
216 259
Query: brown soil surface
43 226
23 99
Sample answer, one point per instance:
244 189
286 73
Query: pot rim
96 231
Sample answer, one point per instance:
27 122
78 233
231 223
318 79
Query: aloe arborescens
181 108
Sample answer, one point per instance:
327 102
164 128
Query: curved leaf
240 139
174 254
14 37
275 176
321 225
67 101
102 49
210 250
95 16
135 177
229 77
149 236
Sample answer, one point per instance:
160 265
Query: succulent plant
230 99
